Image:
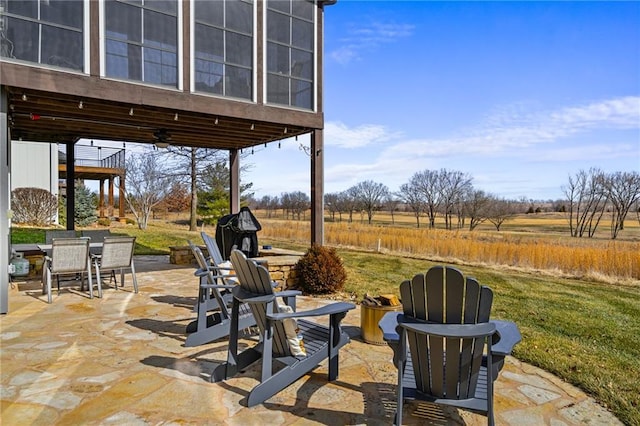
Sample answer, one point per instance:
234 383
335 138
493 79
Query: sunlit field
535 242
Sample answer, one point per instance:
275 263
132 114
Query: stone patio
121 360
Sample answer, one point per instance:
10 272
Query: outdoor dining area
123 358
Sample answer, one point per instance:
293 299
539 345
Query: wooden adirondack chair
209 327
320 341
220 268
439 340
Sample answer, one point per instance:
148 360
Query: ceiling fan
162 138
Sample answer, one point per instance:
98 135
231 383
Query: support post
110 208
5 200
317 187
71 188
101 199
234 180
121 190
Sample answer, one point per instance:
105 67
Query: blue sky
520 95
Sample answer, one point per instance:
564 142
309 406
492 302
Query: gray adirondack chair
218 266
213 320
440 340
320 341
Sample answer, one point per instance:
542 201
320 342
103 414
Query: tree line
451 196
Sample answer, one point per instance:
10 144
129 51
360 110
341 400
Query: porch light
80 105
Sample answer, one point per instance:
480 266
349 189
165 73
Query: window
48 32
142 40
223 46
290 53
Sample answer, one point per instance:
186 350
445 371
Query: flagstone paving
121 360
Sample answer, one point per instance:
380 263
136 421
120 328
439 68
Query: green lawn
584 332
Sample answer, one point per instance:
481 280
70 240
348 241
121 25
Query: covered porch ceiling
44 116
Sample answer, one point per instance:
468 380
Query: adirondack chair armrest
218 286
288 293
461 331
388 325
332 309
507 337
247 297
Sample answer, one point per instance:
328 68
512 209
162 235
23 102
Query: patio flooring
121 360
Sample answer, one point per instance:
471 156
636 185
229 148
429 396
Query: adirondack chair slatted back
255 279
212 248
117 252
446 367
210 278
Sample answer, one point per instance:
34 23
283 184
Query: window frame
291 47
224 63
83 30
178 52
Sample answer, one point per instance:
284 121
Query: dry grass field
534 243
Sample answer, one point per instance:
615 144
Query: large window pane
238 82
239 49
277 58
26 8
302 34
159 67
124 60
277 89
209 76
62 47
239 16
63 12
168 6
301 93
278 28
210 12
301 64
281 5
290 53
123 21
223 45
22 40
302 9
160 30
209 43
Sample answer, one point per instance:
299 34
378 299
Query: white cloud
338 134
368 37
508 134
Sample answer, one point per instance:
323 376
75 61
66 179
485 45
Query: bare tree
351 201
331 201
270 204
477 208
187 164
147 185
410 194
587 199
391 202
370 195
299 203
453 186
500 211
428 184
623 190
